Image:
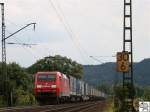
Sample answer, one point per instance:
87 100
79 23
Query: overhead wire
14 24
75 36
9 21
70 28
72 35
25 48
69 31
67 27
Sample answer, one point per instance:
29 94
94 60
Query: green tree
105 88
118 98
57 63
24 97
146 95
139 91
20 85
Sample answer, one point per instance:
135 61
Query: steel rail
68 108
73 107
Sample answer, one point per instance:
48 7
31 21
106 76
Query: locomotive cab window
46 77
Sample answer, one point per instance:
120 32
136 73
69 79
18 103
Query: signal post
125 60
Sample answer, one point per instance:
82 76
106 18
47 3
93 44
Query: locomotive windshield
43 77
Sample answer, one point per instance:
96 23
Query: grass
109 106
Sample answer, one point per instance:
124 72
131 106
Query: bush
20 85
24 97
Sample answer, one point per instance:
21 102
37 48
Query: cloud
97 25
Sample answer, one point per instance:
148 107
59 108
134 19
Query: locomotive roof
47 72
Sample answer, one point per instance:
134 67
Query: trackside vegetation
114 101
20 84
21 80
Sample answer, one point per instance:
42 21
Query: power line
74 35
45 47
96 59
9 21
67 28
25 48
23 44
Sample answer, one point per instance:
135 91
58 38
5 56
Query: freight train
56 87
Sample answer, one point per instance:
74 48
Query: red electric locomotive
51 87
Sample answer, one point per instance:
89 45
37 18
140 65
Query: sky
77 29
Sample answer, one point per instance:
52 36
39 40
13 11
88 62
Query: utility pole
4 69
6 90
125 61
128 86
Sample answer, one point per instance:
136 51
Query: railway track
74 107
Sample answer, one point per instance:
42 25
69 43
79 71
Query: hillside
106 73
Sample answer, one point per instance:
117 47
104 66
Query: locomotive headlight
53 86
39 86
